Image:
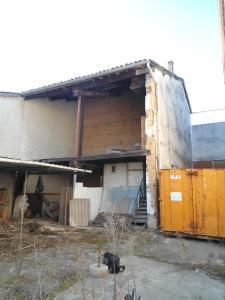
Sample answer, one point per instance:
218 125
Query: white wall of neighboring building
36 129
48 129
208 141
11 122
174 123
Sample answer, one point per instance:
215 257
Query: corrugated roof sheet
114 70
9 94
79 79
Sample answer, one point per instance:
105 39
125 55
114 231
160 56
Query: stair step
141 212
140 221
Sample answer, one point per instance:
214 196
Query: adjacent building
208 145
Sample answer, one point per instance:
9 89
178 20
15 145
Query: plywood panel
79 212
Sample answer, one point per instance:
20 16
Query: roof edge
9 94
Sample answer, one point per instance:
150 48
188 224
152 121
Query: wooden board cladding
112 121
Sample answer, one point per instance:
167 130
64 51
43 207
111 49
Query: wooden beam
79 93
137 82
141 71
79 127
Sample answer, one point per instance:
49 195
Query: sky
46 41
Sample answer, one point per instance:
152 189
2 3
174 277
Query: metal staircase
140 208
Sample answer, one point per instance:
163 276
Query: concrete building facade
208 145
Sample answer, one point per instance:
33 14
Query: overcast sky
46 41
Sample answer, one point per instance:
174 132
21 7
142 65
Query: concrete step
141 210
142 207
143 218
140 221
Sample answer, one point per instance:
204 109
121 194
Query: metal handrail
140 195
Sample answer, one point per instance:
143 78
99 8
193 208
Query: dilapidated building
124 124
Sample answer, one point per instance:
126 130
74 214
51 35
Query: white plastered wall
37 128
92 193
48 129
11 121
174 123
126 174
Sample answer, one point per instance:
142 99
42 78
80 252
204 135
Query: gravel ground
55 265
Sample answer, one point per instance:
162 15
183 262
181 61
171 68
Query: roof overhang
103 81
112 157
34 167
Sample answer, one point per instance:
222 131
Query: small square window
113 169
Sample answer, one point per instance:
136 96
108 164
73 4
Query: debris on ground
54 262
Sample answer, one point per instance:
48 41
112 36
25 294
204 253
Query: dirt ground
54 262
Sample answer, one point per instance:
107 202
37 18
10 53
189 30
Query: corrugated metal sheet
193 201
79 212
119 200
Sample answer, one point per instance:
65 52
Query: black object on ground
113 263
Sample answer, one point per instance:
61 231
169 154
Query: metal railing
140 195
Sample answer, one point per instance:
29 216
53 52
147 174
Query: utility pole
221 6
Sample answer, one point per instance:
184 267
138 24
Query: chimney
170 66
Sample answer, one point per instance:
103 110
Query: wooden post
79 127
66 203
22 212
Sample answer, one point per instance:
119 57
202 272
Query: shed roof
34 167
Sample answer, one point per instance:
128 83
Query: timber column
79 126
151 145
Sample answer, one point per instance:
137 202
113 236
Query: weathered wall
125 175
52 184
48 129
113 121
174 124
151 146
168 133
208 141
11 120
36 129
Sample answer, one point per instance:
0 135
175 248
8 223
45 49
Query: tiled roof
79 79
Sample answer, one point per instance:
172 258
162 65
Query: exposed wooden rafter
137 82
78 93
